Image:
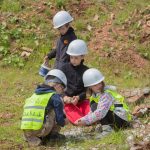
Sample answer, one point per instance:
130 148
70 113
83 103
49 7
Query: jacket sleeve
52 54
57 104
102 109
82 96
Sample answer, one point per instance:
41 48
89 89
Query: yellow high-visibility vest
118 98
34 111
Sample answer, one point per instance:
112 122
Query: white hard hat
57 73
77 48
92 77
61 18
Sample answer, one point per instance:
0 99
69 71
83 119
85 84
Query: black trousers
111 119
114 121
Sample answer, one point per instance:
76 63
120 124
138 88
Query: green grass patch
11 6
128 9
22 29
144 50
60 3
112 141
127 77
80 25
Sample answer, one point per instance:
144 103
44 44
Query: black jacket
75 84
61 48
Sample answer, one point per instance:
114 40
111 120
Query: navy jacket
75 86
61 48
55 102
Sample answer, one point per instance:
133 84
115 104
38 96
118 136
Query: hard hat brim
56 27
99 81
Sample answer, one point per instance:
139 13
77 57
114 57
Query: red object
75 112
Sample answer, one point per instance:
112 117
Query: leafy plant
11 6
129 75
13 60
16 33
4 50
60 3
4 40
80 25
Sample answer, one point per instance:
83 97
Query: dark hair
103 85
67 24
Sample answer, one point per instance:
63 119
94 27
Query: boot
56 136
106 129
34 141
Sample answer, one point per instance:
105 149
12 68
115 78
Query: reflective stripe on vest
34 111
119 99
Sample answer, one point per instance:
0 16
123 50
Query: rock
89 27
148 23
141 146
135 95
112 16
139 24
135 125
140 110
116 72
146 90
27 49
132 36
135 98
130 140
135 148
146 139
96 17
25 54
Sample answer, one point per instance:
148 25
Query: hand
46 57
75 100
79 122
46 60
67 99
66 121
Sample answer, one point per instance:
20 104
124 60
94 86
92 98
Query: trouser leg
33 136
113 120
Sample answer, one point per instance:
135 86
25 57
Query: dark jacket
61 48
54 103
75 86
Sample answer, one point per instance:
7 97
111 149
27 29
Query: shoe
106 129
56 136
34 141
98 128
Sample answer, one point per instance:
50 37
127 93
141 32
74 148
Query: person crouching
43 111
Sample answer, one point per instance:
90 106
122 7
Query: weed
80 25
13 60
60 3
11 6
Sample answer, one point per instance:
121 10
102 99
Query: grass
128 77
11 6
80 25
37 33
144 51
60 3
128 8
18 86
113 141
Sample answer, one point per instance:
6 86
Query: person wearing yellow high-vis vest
111 108
43 111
